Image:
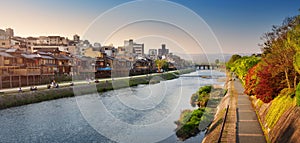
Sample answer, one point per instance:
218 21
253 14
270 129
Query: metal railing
223 124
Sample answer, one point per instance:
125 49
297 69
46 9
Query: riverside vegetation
272 80
18 99
191 122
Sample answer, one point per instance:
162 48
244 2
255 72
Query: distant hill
210 58
204 58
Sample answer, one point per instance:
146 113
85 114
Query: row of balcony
26 71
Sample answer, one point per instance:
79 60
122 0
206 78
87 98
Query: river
145 113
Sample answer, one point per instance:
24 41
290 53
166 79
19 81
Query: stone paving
248 128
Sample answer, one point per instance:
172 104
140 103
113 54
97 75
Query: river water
141 114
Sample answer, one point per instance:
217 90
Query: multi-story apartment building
163 51
134 49
138 49
4 39
9 32
152 54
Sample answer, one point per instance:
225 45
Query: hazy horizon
237 25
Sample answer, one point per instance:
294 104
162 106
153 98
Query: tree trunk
287 78
295 81
158 68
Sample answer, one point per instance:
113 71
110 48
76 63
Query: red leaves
260 82
276 70
250 81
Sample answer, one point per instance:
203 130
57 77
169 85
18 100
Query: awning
104 69
62 57
30 56
46 57
11 50
3 54
3 49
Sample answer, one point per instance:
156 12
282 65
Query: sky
236 25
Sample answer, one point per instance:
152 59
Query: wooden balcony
25 71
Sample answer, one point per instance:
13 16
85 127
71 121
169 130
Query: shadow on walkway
248 128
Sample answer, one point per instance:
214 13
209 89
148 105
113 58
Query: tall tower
128 45
163 50
9 32
76 38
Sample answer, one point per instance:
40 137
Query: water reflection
147 114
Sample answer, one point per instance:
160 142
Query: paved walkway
248 127
82 82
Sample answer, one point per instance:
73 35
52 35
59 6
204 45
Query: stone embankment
13 98
241 124
287 127
251 120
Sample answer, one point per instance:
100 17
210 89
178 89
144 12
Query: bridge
202 76
206 66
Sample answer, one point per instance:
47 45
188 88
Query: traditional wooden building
18 68
103 66
121 67
143 66
63 64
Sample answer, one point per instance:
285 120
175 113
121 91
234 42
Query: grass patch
201 97
192 122
278 106
188 124
18 99
298 95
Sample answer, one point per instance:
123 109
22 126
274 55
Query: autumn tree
279 53
251 80
160 63
266 87
280 64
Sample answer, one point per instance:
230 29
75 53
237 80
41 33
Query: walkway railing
223 124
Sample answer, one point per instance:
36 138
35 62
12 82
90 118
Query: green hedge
298 95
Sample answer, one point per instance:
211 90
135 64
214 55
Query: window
3 43
20 61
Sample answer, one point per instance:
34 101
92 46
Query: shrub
201 97
194 99
278 106
191 126
298 95
206 89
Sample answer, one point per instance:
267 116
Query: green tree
217 61
243 64
280 49
160 64
165 66
279 66
232 60
298 95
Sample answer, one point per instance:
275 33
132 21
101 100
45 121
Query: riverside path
248 127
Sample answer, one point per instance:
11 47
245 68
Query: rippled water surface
145 113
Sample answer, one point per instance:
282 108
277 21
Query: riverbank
14 98
279 118
213 132
192 122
